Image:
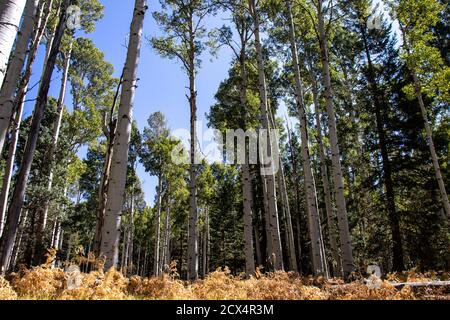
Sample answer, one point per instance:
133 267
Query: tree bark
429 135
16 250
247 194
109 131
111 227
276 255
192 270
10 16
22 178
297 196
311 194
331 217
19 102
338 183
15 67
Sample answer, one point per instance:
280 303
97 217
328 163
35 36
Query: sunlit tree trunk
10 15
276 254
428 131
109 130
192 270
116 190
245 168
331 217
17 245
429 135
19 102
22 177
297 197
338 182
311 194
15 67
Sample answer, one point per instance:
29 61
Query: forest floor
49 283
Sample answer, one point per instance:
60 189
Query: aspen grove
329 156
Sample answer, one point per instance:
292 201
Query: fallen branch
400 285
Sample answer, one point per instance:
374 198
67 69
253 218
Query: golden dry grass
45 282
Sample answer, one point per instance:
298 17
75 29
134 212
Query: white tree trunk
9 166
332 233
116 190
429 135
338 183
311 194
192 270
276 255
14 71
10 15
246 178
30 148
248 223
16 250
19 101
288 221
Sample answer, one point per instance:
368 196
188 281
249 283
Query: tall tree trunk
286 212
248 223
10 16
297 196
258 250
311 194
16 250
22 178
192 270
428 131
246 178
138 267
338 183
331 218
429 135
19 102
51 155
15 67
276 254
398 264
156 252
9 166
109 131
116 189
288 221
